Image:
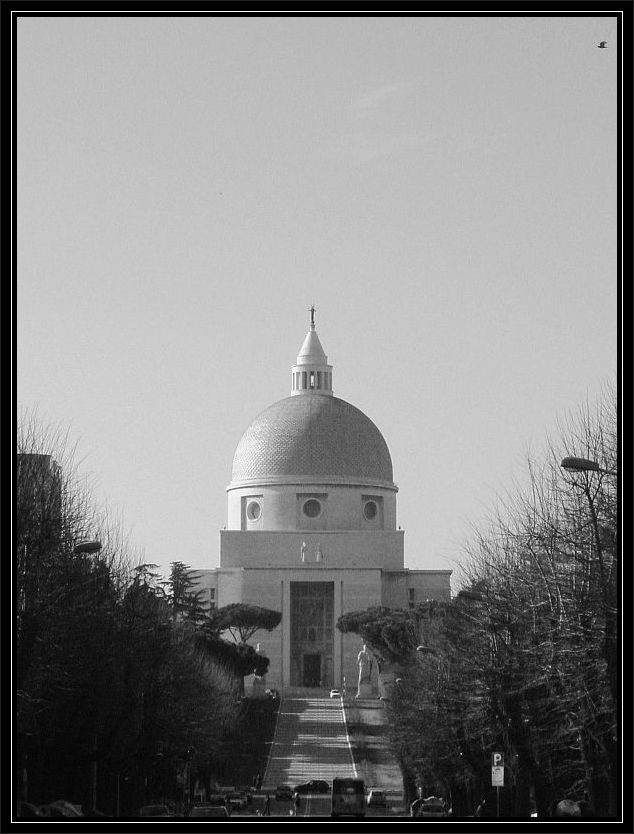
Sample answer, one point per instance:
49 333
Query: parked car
209 811
27 809
335 693
313 786
431 807
61 808
376 796
154 811
284 793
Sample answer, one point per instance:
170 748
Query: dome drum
293 507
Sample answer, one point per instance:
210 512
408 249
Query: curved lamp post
584 465
88 548
573 464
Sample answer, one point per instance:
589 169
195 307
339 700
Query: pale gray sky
444 190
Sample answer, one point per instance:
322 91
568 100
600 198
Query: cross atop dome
311 373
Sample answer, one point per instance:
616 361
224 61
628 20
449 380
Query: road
313 740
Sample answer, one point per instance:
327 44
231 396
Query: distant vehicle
247 790
377 797
214 799
209 811
273 693
431 807
154 811
335 693
348 798
314 786
284 793
238 799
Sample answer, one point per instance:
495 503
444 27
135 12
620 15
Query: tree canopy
242 621
391 633
107 680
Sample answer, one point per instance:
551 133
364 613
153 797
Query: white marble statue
364 661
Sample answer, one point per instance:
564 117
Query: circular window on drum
254 510
370 510
312 508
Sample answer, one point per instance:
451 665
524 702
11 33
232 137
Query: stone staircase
310 740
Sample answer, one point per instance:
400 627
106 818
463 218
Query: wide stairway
310 740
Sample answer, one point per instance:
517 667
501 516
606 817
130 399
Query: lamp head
580 465
470 595
87 547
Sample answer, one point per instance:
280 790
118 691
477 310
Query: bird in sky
603 45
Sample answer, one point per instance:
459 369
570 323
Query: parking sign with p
497 770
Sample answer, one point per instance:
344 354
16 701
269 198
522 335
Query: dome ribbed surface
312 436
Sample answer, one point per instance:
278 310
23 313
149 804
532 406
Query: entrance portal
312 634
312 670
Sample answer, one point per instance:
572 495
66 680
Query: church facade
311 529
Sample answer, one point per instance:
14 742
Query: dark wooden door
312 670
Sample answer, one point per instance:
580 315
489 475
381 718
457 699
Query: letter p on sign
497 760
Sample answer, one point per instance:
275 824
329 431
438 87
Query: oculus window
312 508
370 510
254 510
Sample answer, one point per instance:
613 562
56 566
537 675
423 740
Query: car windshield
152 810
210 811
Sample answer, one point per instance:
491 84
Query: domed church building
311 528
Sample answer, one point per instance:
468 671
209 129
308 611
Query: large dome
312 438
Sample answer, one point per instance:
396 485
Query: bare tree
526 662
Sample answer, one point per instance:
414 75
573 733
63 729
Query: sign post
497 776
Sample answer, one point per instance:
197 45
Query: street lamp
573 464
583 465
